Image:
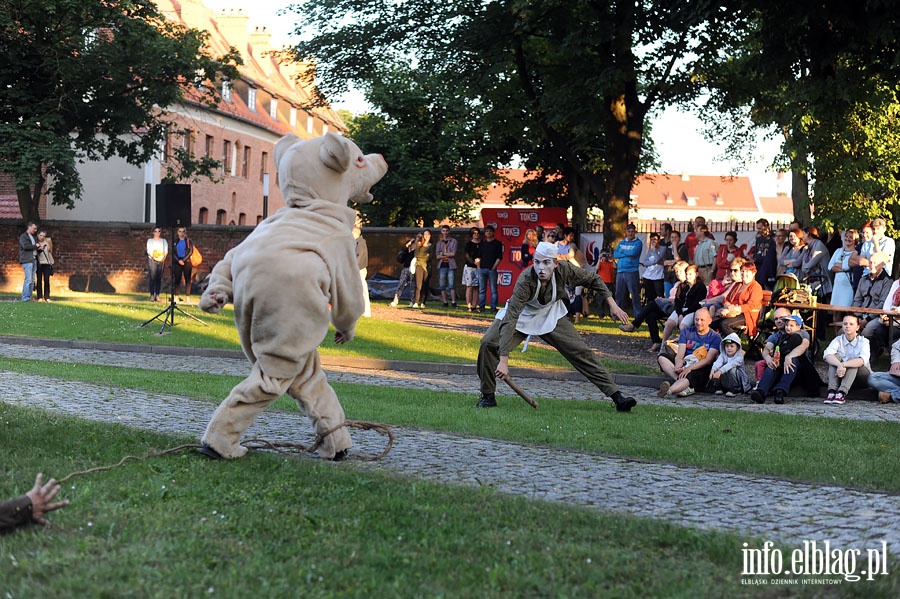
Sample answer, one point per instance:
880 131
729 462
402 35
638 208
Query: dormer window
226 91
251 99
273 108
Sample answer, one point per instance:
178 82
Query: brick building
257 109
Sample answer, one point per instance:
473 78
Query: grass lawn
749 442
110 320
270 526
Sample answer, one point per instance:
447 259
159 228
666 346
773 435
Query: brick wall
111 257
105 257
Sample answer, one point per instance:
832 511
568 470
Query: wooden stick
520 392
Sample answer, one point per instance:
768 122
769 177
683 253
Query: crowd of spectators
726 283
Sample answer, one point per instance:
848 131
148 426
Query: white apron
536 318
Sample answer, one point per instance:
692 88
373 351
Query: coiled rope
261 444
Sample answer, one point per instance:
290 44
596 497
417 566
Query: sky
677 134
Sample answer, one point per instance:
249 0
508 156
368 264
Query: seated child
728 374
847 356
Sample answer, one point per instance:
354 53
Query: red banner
510 225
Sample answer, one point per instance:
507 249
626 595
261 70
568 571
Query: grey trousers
843 385
564 338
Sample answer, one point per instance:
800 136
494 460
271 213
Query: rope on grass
280 447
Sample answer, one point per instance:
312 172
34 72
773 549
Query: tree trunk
579 198
800 196
29 200
624 137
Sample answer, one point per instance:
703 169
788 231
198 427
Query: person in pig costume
295 273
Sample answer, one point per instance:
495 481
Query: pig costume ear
283 145
335 153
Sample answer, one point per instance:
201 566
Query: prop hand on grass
41 496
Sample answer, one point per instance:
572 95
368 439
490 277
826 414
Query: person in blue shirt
689 369
628 277
181 259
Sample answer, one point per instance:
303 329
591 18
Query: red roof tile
682 191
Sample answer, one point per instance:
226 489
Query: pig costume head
330 168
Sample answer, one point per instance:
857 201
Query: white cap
546 249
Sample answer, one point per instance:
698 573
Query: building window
226 156
263 166
258 218
220 217
242 219
209 146
245 163
324 129
273 108
203 216
226 91
251 99
309 124
293 117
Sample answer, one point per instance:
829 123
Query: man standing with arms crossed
490 253
445 251
28 259
537 308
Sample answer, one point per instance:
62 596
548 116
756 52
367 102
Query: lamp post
265 195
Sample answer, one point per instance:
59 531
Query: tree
89 79
571 82
437 154
825 75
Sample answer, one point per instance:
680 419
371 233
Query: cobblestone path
770 508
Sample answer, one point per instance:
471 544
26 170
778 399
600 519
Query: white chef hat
546 249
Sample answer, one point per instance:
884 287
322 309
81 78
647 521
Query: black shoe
453 304
341 455
779 396
758 397
209 452
446 305
624 404
487 401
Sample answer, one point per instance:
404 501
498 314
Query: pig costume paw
213 302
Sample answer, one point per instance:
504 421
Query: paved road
749 505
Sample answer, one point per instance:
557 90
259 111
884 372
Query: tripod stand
169 311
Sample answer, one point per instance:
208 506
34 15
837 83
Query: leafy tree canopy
89 79
568 83
825 75
438 155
